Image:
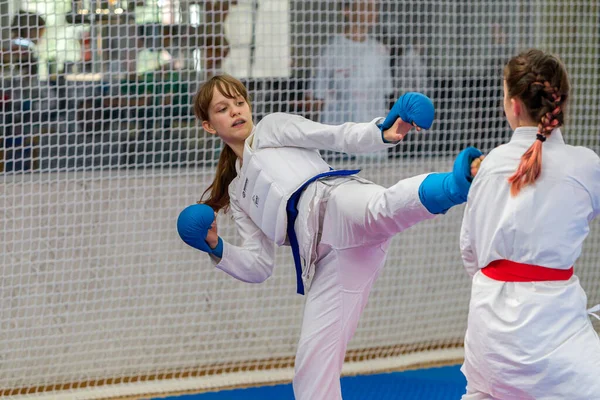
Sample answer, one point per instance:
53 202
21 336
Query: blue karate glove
411 107
193 224
441 191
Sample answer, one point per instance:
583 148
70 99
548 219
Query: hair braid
540 81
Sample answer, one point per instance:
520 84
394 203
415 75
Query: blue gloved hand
441 191
462 169
411 107
193 224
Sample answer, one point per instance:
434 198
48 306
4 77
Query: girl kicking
279 190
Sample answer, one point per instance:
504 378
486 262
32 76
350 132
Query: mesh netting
99 152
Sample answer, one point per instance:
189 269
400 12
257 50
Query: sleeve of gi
589 177
251 262
288 130
469 256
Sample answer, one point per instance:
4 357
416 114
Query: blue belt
292 214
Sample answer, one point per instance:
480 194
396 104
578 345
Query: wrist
383 137
217 251
383 131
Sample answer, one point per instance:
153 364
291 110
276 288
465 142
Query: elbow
471 269
263 272
260 278
470 263
258 272
253 276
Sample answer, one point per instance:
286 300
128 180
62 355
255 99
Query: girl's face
230 119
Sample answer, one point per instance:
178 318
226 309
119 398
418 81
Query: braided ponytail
540 81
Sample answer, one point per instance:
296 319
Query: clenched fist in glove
195 226
411 109
440 191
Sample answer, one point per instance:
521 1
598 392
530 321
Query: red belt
510 271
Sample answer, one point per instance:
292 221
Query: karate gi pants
358 223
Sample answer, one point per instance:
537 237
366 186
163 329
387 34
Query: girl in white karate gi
271 173
529 335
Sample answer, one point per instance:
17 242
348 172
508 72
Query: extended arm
287 130
251 262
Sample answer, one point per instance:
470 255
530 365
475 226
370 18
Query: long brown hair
217 193
540 81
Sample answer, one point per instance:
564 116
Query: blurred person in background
25 100
352 78
27 29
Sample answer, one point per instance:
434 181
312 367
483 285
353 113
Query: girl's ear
517 107
208 128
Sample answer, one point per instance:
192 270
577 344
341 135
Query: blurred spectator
26 103
351 80
352 77
410 69
410 74
27 30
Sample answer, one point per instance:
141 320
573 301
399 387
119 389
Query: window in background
170 11
147 12
195 15
196 12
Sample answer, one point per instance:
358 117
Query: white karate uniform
344 227
531 340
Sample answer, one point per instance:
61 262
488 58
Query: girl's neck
527 124
524 121
238 149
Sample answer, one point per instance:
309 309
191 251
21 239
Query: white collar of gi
527 134
249 142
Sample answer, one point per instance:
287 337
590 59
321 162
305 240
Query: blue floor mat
445 383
